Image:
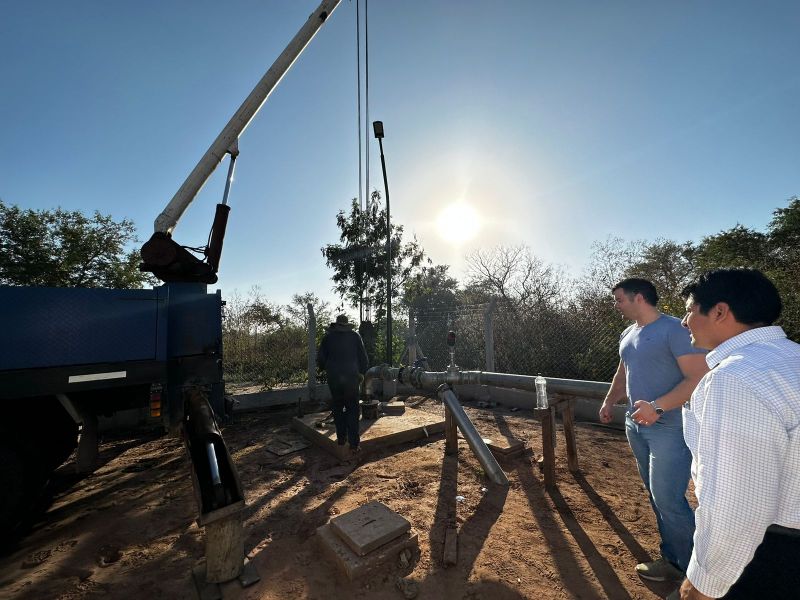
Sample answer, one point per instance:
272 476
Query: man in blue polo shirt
658 370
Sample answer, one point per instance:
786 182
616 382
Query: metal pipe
212 463
576 387
431 380
383 372
474 439
378 128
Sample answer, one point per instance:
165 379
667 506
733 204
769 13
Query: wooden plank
224 549
385 431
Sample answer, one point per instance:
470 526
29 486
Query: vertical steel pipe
474 439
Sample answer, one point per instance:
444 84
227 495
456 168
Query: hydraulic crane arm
163 256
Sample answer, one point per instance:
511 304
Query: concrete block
369 526
355 566
395 407
501 444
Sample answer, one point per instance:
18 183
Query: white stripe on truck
97 376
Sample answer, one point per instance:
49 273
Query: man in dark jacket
342 355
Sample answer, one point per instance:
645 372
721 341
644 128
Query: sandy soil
128 530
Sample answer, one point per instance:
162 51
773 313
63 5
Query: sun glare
458 222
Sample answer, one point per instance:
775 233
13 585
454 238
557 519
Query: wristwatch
657 408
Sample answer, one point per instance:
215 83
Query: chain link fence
566 343
468 324
557 343
262 353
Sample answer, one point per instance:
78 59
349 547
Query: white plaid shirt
741 425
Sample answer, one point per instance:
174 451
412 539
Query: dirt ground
129 531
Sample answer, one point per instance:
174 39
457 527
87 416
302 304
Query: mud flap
88 442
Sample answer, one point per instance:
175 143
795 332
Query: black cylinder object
214 250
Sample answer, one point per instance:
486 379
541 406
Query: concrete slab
505 444
285 445
369 526
354 566
394 407
386 431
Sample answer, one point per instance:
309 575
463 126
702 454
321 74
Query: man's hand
644 414
689 592
607 411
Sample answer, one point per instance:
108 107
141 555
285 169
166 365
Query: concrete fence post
488 334
412 338
312 353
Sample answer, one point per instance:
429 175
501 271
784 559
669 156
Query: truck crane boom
164 257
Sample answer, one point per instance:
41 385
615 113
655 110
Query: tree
739 246
67 249
610 263
514 275
593 312
430 288
669 265
359 260
298 312
431 295
784 242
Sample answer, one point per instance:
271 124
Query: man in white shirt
742 426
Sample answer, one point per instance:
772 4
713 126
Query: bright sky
556 123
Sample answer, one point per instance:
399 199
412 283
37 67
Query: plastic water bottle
541 392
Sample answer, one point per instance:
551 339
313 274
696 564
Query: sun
458 222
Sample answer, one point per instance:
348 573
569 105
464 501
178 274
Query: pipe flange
443 388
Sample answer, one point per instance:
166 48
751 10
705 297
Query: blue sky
558 123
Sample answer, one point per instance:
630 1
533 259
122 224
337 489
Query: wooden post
548 419
488 334
312 353
411 344
224 549
451 432
569 434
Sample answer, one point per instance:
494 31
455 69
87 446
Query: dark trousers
344 404
773 573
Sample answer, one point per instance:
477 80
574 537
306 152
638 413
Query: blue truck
71 354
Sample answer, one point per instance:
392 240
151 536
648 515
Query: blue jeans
344 404
664 463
